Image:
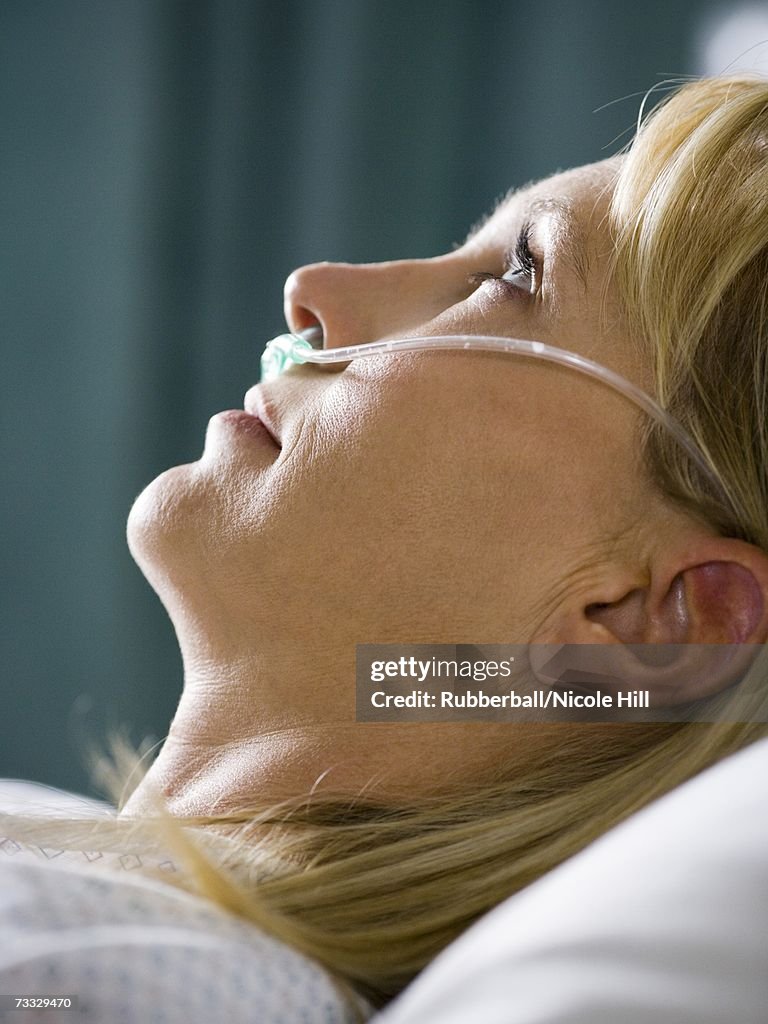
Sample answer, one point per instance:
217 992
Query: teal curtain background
163 167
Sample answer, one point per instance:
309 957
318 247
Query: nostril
301 318
314 335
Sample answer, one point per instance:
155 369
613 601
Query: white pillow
664 919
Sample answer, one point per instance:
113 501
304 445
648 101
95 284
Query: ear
688 633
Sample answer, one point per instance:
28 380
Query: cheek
419 486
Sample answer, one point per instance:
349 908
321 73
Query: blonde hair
374 893
690 214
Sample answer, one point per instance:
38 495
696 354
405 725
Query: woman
443 497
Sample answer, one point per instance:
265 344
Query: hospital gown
133 949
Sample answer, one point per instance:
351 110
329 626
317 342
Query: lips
256 405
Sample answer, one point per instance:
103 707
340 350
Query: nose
356 303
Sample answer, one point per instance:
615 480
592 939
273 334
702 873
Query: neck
237 737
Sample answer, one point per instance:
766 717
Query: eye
521 273
520 277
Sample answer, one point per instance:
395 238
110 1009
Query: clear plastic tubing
288 349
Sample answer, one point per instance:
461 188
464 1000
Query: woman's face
438 497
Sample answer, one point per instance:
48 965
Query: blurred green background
163 167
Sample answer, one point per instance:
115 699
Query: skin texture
433 497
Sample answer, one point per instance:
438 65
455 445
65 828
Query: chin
166 524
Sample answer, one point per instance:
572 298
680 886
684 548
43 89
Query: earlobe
692 632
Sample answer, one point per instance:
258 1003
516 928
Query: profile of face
442 497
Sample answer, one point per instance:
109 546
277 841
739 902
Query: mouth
256 407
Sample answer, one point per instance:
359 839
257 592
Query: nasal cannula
288 349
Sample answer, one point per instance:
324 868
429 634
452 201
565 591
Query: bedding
663 919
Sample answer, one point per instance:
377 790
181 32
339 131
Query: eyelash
518 261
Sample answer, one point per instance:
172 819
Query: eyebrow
571 248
